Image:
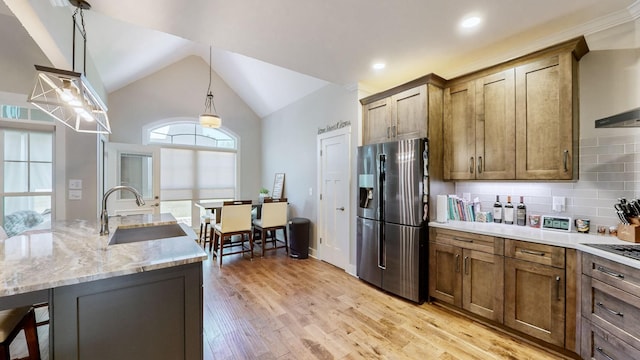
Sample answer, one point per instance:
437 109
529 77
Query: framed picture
278 186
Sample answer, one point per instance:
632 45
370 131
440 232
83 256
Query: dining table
216 206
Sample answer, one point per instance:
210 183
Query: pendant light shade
70 99
67 95
210 118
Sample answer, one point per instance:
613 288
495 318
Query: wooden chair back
235 216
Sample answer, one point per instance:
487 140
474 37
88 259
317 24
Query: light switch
310 191
75 184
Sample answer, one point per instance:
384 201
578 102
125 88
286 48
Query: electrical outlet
559 203
310 191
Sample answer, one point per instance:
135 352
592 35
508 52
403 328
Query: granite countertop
73 252
571 240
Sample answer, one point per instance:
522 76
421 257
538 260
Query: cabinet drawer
537 253
484 243
615 310
612 273
597 343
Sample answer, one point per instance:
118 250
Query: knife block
629 232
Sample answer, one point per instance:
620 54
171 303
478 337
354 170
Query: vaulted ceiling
272 53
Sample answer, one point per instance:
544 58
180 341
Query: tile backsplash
609 169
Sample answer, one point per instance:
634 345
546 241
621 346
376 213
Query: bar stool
12 321
205 227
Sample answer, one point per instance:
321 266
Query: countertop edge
571 240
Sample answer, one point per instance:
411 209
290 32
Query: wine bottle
508 211
521 213
497 210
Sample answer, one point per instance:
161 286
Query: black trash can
299 238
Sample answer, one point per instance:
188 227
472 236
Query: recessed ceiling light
378 66
471 21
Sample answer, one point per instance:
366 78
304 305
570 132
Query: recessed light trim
378 66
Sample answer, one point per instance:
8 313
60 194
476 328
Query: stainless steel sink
145 233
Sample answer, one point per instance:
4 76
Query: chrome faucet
104 215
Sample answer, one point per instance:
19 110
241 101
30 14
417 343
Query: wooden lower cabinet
466 277
529 288
610 310
598 343
535 300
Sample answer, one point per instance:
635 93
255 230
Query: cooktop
630 251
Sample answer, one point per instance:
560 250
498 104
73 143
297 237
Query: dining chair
235 219
13 321
274 217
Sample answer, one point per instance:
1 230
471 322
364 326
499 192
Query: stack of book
462 209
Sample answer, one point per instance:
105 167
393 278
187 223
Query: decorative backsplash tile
609 169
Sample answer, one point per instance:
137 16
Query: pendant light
67 95
210 118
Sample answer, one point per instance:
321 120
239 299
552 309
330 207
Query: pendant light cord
83 32
209 104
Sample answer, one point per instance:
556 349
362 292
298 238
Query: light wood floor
281 308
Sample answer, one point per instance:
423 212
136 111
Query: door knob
340 208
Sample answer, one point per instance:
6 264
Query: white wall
289 145
179 91
609 159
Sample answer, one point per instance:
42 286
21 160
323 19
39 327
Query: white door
137 166
333 220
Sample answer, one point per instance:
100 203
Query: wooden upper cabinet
517 120
479 128
409 113
403 112
459 131
397 117
547 125
495 126
377 120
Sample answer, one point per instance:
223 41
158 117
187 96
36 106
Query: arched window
196 164
191 134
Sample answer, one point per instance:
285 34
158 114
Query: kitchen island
134 300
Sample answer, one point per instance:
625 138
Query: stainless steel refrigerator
392 217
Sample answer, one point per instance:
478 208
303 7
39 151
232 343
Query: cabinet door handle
479 164
609 272
558 286
565 159
466 265
599 349
388 131
471 162
618 313
462 239
530 252
394 131
457 263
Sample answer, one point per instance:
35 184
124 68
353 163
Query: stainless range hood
626 119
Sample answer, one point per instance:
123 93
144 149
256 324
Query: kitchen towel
441 209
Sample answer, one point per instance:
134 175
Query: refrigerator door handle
382 264
382 259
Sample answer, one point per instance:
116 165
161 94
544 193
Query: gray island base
127 301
